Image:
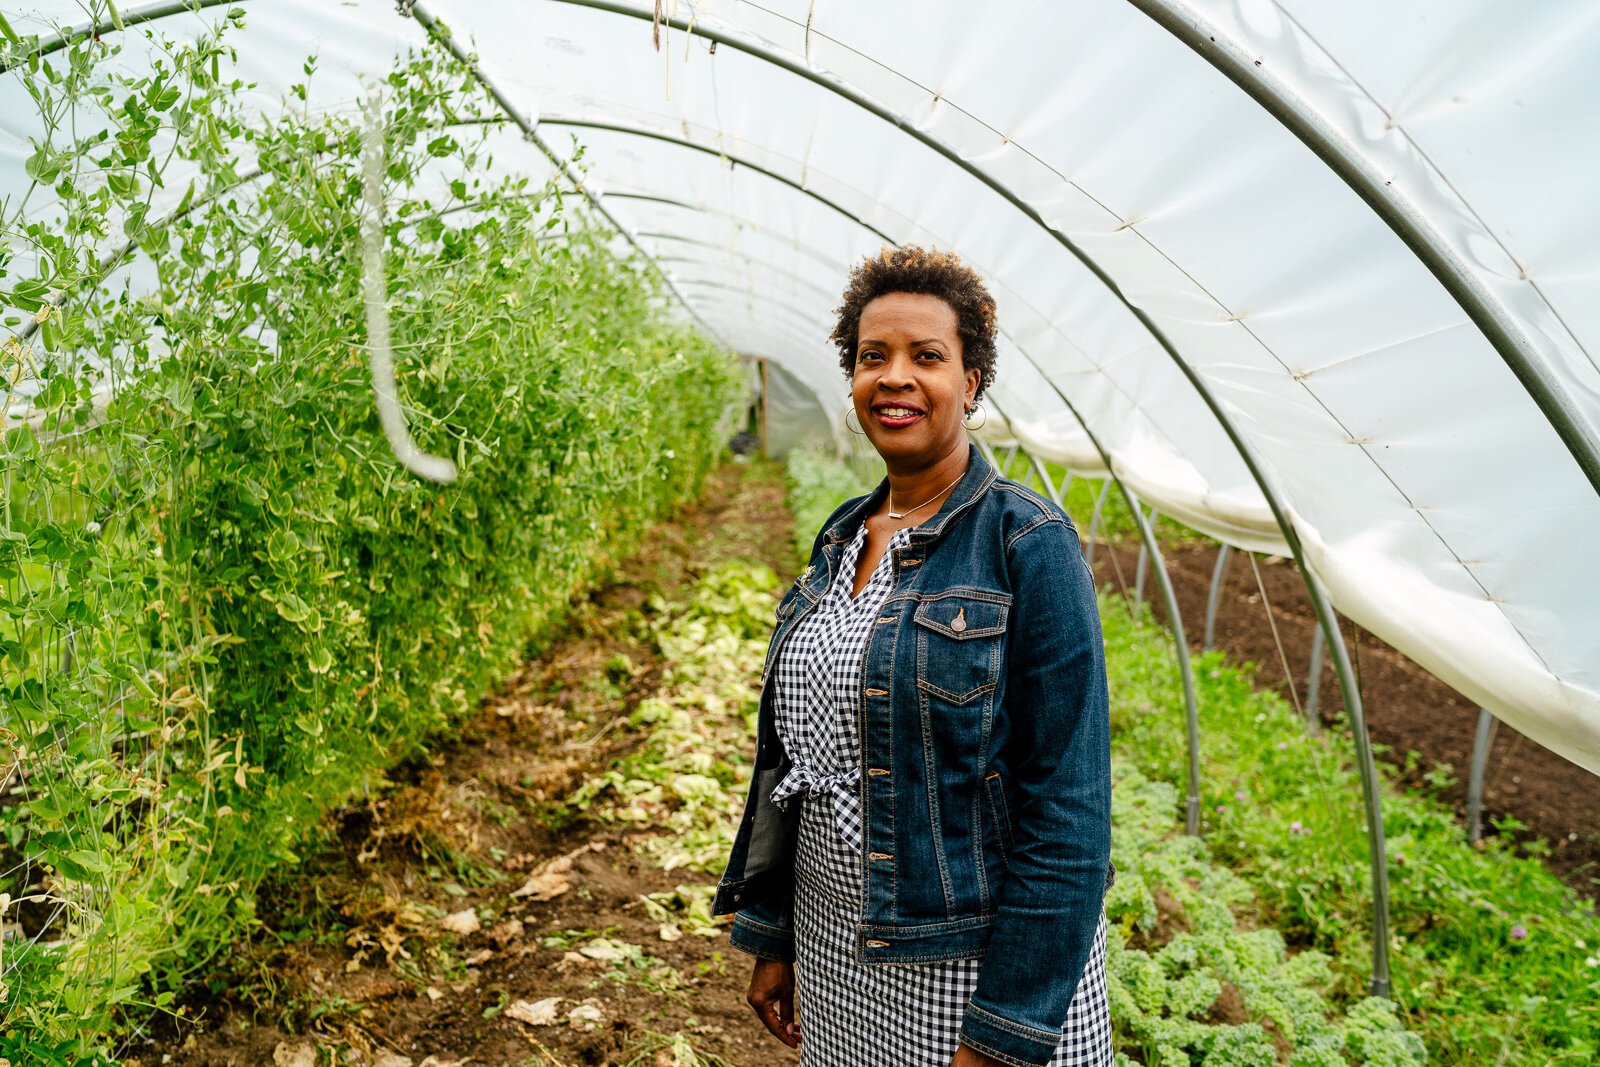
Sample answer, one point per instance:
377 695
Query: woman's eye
868 357
929 353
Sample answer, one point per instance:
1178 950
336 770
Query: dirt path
375 952
1407 708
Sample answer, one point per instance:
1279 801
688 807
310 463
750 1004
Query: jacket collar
980 474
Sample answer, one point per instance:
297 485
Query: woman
926 844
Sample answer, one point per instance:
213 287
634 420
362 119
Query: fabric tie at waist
802 778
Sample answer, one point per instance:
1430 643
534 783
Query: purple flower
1519 932
1239 795
1221 808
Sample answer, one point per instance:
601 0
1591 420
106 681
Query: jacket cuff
759 939
1007 1041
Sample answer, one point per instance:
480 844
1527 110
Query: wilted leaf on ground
586 1016
464 921
535 1013
604 948
298 1054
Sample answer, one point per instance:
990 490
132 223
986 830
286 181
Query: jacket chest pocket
960 643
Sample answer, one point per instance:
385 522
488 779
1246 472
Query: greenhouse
385 608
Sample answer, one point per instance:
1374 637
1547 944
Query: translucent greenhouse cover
1334 218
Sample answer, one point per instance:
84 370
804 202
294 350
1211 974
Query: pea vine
223 605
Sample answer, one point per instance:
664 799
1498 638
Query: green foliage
1190 980
1283 812
224 607
817 483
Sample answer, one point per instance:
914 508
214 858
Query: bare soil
1407 709
355 964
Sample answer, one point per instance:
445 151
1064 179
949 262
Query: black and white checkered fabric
902 1015
818 671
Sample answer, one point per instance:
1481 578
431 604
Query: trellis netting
1329 267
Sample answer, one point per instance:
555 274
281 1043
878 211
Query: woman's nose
896 373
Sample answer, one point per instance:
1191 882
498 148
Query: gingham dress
905 1015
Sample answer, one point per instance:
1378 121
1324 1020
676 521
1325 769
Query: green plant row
816 483
224 607
1193 977
1493 958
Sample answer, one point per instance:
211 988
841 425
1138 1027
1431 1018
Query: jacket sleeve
1059 757
767 929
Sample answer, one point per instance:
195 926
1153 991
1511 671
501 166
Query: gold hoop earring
848 411
978 407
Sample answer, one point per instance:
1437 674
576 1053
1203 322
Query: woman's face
909 388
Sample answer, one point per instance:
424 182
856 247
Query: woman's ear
974 376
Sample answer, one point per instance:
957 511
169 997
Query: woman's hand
967 1056
772 996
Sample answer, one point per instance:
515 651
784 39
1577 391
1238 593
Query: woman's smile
896 414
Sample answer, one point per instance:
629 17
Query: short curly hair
911 269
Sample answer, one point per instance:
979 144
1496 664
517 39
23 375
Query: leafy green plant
816 483
1493 958
224 607
1192 977
669 1050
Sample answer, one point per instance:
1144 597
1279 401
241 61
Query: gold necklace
902 514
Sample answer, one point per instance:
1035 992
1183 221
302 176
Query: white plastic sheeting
1431 494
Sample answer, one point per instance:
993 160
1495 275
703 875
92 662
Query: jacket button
877 692
877 944
875 771
881 856
909 562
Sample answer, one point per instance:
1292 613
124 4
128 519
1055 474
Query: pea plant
224 606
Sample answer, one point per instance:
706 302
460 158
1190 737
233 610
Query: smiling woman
925 848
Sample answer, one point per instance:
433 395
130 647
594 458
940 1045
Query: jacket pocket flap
962 617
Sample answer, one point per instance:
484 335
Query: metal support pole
1487 727
132 17
1094 519
1140 568
1011 457
1215 595
1043 475
1385 192
1314 681
1377 854
1191 809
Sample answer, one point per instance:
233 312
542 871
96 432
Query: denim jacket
985 748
